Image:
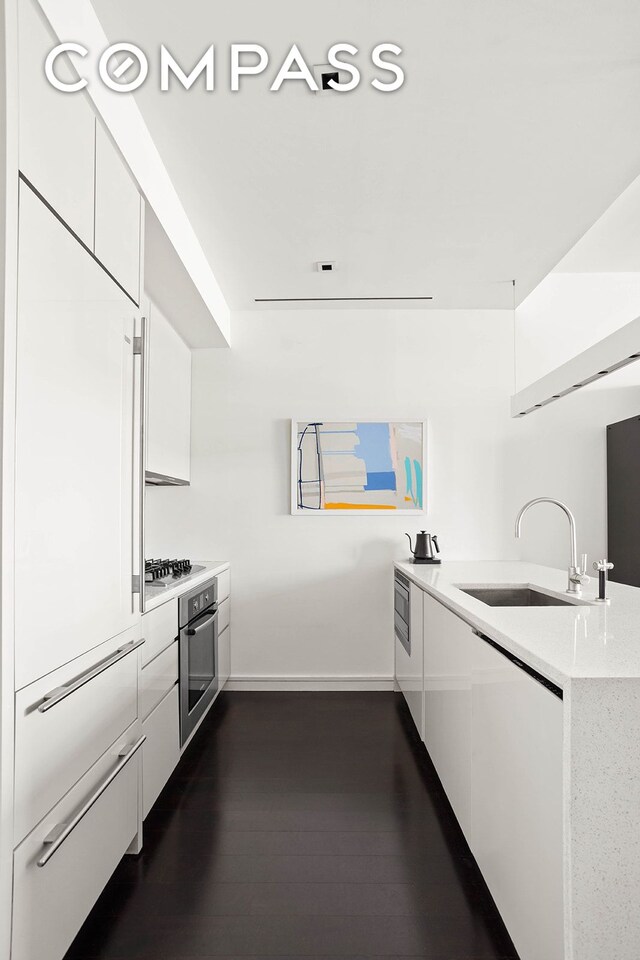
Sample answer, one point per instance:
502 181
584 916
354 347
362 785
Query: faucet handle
583 563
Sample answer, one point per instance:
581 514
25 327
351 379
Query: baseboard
310 683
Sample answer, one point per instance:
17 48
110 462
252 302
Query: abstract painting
357 466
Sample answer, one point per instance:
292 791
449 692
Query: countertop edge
212 569
476 623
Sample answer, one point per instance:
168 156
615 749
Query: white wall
311 596
560 451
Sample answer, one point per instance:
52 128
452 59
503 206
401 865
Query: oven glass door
200 639
198 677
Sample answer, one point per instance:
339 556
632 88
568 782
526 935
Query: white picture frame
419 489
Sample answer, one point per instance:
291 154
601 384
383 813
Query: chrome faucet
577 574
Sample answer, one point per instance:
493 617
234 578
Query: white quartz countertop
156 596
562 643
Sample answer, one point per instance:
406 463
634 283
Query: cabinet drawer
51 902
161 750
224 615
157 678
159 629
224 585
54 748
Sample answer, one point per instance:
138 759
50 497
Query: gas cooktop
164 573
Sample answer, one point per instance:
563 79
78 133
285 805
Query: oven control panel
197 601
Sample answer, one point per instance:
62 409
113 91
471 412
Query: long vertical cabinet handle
140 350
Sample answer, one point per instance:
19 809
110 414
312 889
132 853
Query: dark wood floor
300 825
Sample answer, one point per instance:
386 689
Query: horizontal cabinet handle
57 836
60 693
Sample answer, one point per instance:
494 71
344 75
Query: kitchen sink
515 597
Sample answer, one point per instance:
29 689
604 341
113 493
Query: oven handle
192 631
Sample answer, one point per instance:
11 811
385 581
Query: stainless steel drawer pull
57 836
55 696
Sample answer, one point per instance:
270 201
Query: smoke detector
325 266
324 72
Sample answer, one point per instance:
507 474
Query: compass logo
124 67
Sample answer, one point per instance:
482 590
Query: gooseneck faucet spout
577 574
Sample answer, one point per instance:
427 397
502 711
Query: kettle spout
410 544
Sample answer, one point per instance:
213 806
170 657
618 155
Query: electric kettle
425 543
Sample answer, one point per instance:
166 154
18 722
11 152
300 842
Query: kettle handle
435 542
410 544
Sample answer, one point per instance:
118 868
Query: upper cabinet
57 130
117 211
168 402
66 154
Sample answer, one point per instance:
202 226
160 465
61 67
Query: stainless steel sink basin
515 597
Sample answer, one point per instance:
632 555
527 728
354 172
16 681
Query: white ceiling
612 245
516 128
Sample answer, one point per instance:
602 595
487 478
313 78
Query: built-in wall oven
198 641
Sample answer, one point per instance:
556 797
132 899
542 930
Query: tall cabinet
75 509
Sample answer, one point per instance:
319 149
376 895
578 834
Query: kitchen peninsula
539 708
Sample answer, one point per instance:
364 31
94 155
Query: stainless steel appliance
198 640
409 655
160 574
425 545
401 611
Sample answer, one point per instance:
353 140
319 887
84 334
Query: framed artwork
358 467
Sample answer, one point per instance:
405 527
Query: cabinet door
224 655
117 238
74 449
447 685
517 833
168 401
56 130
161 750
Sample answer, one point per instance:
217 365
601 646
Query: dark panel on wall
623 500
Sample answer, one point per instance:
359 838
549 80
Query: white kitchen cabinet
157 678
58 738
447 695
56 130
50 902
118 213
161 750
224 615
160 629
168 401
517 829
224 656
74 483
223 581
